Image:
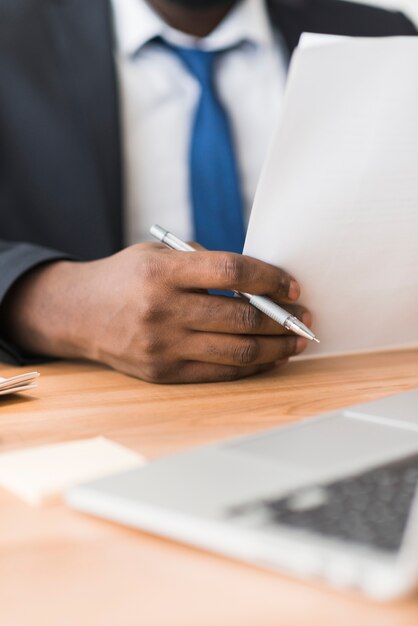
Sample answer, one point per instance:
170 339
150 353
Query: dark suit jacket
60 142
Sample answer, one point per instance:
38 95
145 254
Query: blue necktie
214 181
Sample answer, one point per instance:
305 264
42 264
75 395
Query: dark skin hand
145 311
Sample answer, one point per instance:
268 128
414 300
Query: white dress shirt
158 99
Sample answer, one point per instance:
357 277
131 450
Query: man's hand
145 311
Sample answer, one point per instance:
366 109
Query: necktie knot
199 63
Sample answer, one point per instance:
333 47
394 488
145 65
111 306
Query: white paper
309 40
39 474
337 202
19 383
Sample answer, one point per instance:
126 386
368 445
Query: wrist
41 313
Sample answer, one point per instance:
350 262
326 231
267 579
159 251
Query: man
115 115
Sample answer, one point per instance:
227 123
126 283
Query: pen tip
317 340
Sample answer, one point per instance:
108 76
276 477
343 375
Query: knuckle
284 283
247 351
151 307
151 346
229 373
233 372
232 269
288 347
150 267
155 371
249 318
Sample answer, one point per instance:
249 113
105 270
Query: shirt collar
136 23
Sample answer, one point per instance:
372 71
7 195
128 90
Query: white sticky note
40 474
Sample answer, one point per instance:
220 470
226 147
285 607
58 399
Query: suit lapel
289 17
293 17
83 41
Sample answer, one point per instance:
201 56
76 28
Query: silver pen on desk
263 304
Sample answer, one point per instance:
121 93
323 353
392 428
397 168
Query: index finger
233 272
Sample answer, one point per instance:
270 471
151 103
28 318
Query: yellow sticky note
40 474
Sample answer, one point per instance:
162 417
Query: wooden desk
60 568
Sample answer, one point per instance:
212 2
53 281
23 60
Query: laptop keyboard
370 509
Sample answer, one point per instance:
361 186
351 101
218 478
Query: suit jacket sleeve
15 260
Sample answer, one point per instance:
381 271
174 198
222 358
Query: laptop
331 497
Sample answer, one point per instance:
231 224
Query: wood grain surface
61 568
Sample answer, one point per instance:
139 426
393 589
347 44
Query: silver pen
263 304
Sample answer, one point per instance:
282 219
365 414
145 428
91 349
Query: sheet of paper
337 202
19 383
40 474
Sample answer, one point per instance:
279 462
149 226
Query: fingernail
301 344
294 290
307 319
